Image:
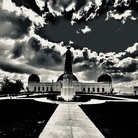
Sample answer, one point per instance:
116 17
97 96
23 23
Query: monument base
67 93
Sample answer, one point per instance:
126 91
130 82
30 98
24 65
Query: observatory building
68 84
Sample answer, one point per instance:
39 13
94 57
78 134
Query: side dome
60 78
105 78
34 78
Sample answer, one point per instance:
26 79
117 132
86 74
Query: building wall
136 90
92 87
79 87
44 87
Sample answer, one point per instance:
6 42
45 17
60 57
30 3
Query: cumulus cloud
83 10
84 30
33 53
30 4
12 25
122 66
34 35
14 68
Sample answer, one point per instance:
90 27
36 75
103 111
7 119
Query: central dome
60 78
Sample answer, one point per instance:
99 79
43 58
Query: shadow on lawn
23 118
114 119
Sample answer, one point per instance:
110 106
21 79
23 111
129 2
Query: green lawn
23 118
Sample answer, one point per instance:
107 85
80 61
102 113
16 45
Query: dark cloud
13 26
30 4
47 58
17 50
15 68
34 44
127 5
106 35
130 68
122 77
106 5
36 55
68 14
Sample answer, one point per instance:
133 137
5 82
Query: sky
102 34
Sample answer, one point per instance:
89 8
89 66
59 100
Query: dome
60 78
34 78
104 78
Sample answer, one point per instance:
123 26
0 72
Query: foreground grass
23 118
127 96
114 119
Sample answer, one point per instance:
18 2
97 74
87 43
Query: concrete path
69 121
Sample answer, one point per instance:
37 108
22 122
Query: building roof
33 78
104 78
60 78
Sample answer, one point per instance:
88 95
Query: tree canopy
11 87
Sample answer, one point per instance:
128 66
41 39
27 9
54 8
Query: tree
10 87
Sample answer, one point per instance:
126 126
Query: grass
127 96
114 119
23 118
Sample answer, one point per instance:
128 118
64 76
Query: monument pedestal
68 91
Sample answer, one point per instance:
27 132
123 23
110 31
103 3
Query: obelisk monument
67 90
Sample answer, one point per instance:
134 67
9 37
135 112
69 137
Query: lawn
23 118
114 119
127 96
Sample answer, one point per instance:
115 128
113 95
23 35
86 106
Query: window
38 88
83 89
46 88
98 90
34 88
57 87
93 89
88 89
43 88
51 89
102 89
77 87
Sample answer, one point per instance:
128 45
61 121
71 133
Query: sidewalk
69 121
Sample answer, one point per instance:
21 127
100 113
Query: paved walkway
69 121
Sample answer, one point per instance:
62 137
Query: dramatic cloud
35 33
12 25
84 30
34 54
31 4
100 16
16 68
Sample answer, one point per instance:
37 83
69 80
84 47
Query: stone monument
67 90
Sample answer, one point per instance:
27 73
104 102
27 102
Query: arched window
93 89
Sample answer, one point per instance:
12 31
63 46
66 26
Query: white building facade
69 82
99 87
